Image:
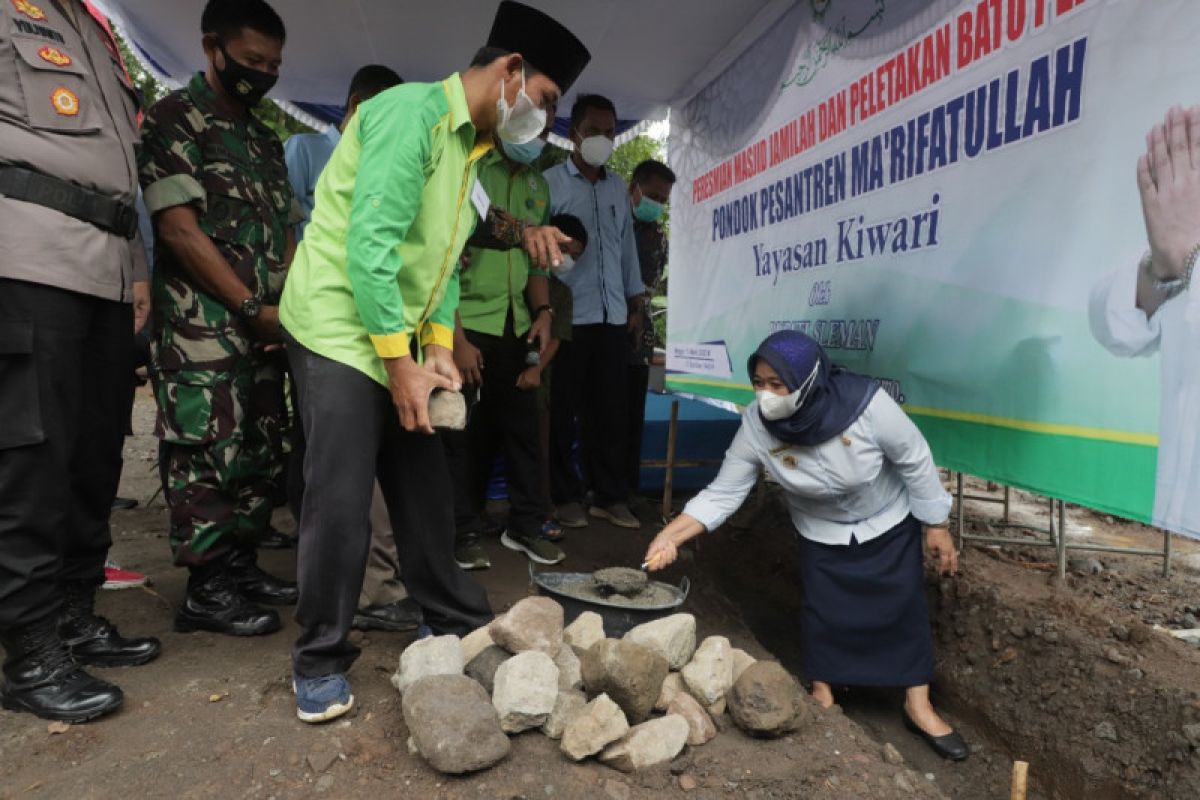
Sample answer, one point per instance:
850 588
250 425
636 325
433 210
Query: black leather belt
70 199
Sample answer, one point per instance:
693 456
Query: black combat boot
258 585
94 640
214 603
42 679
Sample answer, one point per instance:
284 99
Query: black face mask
247 85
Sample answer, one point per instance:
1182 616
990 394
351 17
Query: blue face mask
524 153
648 210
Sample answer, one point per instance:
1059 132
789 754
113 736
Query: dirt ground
1071 677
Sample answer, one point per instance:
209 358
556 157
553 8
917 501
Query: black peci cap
548 46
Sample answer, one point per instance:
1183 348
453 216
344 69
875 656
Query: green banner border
1051 461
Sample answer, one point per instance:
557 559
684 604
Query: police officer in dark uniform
72 279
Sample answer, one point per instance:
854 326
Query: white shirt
1173 332
860 484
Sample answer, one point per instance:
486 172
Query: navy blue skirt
864 618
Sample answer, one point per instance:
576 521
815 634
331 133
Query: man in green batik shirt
214 178
368 313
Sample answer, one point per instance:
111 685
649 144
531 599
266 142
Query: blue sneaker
322 699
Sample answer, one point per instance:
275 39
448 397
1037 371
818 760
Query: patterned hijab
837 397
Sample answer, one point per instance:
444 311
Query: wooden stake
1020 779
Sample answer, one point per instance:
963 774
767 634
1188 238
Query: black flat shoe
403 615
952 746
123 503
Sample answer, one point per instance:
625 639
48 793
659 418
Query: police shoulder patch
65 101
30 10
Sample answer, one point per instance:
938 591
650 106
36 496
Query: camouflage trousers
223 454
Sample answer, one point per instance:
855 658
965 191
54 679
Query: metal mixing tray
618 616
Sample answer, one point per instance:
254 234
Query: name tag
480 199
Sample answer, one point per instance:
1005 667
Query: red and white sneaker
117 578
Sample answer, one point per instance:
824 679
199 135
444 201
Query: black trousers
639 382
504 420
65 365
591 375
353 434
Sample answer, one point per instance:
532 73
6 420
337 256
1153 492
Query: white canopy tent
646 54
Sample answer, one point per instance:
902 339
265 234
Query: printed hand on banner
1169 182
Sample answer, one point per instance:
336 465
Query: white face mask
775 407
522 121
596 150
567 264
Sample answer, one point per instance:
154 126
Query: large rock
434 655
525 691
649 744
453 724
535 623
570 671
630 674
710 673
672 686
476 642
766 701
585 631
595 726
701 727
569 703
673 637
483 666
741 660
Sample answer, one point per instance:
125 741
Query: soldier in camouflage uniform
215 180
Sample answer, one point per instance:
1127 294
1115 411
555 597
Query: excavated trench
1102 706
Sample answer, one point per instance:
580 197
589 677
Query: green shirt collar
456 98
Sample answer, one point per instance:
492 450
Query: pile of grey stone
632 703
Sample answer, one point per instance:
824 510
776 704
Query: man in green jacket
368 313
504 314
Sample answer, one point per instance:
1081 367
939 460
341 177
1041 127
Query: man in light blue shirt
308 153
591 371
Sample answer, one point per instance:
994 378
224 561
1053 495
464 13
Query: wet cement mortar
603 590
1070 676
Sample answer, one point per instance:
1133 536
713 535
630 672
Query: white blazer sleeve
727 492
1117 323
906 449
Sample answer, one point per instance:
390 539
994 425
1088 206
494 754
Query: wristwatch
537 312
250 309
